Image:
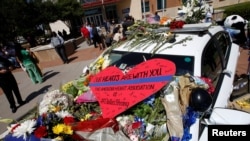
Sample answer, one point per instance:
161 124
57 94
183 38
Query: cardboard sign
116 92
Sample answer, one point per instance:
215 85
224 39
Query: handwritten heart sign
116 92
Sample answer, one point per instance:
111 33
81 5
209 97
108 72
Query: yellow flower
100 60
58 129
67 130
62 129
86 117
67 86
55 108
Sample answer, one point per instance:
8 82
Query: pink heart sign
116 92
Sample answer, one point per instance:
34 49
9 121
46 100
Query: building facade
97 11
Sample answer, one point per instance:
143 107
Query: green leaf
6 120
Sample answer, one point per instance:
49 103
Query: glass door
96 19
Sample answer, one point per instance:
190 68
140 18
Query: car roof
195 36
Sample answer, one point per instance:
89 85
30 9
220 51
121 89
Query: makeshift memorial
117 92
145 101
52 122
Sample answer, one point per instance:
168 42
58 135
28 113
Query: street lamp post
144 11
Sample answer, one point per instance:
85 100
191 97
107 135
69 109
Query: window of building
160 4
147 7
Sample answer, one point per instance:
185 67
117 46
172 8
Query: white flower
54 98
123 120
24 129
62 114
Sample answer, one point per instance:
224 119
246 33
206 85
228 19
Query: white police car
197 49
202 50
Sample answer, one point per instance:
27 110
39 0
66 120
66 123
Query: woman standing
24 57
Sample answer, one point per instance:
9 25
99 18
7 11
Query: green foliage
19 17
241 9
152 114
69 9
11 14
80 111
48 12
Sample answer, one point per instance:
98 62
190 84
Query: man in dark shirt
128 22
116 29
9 85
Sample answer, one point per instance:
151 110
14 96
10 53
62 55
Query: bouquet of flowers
53 120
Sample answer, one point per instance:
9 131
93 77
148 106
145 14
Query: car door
219 64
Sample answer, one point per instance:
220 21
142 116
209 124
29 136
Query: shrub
241 9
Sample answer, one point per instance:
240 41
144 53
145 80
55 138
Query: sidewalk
55 74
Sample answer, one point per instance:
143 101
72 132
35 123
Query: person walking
96 37
24 57
9 85
58 43
88 26
85 34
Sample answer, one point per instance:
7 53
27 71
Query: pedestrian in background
96 37
85 34
129 21
109 39
58 43
157 17
25 58
9 85
117 37
116 29
88 26
9 53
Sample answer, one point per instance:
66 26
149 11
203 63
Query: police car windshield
123 60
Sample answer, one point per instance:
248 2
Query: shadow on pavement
37 93
47 75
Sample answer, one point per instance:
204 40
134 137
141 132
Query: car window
224 44
215 57
212 65
123 60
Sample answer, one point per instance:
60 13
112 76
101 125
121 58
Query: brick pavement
80 54
55 74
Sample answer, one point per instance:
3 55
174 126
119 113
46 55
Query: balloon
200 100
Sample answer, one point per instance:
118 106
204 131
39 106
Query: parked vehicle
202 50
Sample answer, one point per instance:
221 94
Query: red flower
136 125
211 88
41 132
176 24
68 120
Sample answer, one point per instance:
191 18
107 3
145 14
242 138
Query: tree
20 17
11 17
